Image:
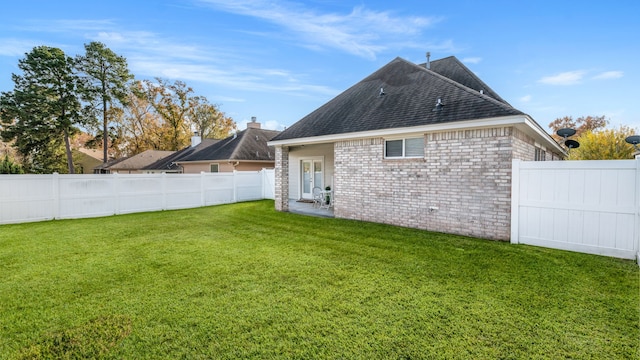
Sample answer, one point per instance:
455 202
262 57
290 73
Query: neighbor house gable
135 163
170 163
247 148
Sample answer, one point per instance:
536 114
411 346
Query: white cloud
151 54
16 47
361 32
472 60
525 99
565 78
609 75
225 99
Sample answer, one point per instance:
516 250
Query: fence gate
585 206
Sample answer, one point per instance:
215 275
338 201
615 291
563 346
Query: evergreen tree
9 167
41 113
106 78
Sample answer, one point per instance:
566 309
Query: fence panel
219 189
85 196
26 198
586 206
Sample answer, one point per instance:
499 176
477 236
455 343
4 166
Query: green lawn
245 281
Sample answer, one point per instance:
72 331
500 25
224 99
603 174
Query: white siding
296 154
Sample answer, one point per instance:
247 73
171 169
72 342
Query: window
540 154
404 148
215 168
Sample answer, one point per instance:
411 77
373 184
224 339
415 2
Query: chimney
195 139
428 64
253 124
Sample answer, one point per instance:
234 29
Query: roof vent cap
439 105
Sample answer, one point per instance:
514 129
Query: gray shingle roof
139 161
169 163
455 70
247 145
411 92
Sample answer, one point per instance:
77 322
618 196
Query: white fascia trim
181 163
216 161
522 120
544 135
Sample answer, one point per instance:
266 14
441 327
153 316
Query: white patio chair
318 197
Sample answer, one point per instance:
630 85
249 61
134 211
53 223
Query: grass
245 281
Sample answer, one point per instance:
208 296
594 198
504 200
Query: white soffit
524 123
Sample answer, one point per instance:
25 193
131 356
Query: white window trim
211 165
404 148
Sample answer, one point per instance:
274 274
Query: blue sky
280 60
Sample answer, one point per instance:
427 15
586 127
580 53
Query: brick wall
282 178
524 148
462 186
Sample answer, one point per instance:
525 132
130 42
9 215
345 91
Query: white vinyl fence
585 206
25 198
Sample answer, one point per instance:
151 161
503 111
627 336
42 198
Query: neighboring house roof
169 163
94 153
247 145
410 96
110 163
137 162
86 160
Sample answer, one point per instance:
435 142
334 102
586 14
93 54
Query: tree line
58 99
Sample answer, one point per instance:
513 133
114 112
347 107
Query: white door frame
312 176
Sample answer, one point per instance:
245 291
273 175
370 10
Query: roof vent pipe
439 105
428 64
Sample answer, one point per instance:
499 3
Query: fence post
515 201
636 224
202 198
235 187
116 192
55 183
263 182
164 190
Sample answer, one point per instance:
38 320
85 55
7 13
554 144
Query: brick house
425 146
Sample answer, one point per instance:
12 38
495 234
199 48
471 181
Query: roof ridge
469 72
502 104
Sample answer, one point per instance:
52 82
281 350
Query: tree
106 78
138 126
160 115
7 166
173 103
607 144
41 113
209 121
580 125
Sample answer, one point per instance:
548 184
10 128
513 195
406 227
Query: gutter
524 122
